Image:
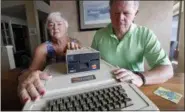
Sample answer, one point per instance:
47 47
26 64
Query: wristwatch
141 75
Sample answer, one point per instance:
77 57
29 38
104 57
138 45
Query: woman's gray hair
52 14
136 3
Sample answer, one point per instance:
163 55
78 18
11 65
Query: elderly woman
30 86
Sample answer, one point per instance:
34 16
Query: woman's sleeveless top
51 54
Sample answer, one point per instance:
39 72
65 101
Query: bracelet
142 76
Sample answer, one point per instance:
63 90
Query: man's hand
124 75
30 86
73 45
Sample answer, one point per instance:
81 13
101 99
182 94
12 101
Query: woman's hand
124 75
30 86
73 45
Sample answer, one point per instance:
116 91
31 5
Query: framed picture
93 15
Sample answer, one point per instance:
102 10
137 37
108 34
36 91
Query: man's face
122 14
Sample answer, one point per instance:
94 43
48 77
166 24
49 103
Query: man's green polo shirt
129 53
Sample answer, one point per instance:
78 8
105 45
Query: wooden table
10 100
175 84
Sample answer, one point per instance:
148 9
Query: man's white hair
136 3
53 14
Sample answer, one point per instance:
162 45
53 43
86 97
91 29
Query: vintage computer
91 90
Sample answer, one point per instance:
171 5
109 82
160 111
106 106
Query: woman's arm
39 58
30 86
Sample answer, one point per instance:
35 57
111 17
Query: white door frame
10 21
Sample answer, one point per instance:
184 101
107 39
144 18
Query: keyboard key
128 102
78 108
111 89
94 99
116 105
82 101
103 102
59 101
91 106
111 94
101 92
77 97
124 95
120 97
116 93
66 99
95 93
103 108
88 100
121 104
110 107
72 98
62 107
115 99
76 103
109 100
84 95
90 94
98 104
115 88
51 103
105 96
95 109
71 109
119 87
100 97
85 107
121 91
69 105
55 108
105 90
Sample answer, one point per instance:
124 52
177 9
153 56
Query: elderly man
125 44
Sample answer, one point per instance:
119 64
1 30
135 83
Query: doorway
22 54
175 41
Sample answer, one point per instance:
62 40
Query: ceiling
15 11
19 12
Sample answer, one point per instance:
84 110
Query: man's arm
94 44
162 69
159 74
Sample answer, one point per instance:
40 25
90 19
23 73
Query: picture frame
93 15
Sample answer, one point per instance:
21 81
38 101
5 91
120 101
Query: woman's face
57 27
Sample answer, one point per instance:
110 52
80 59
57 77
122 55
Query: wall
156 15
13 20
12 3
69 11
42 6
181 45
32 24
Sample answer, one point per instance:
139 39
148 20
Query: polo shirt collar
133 26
